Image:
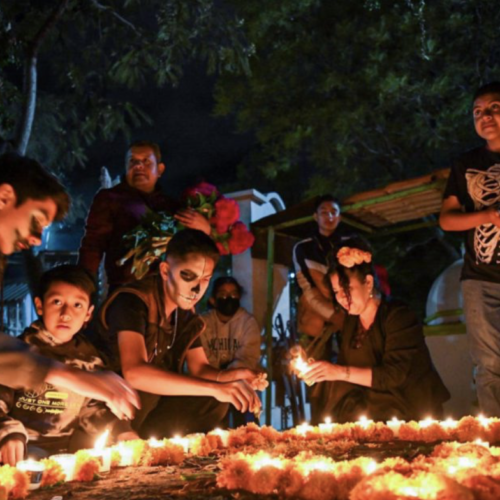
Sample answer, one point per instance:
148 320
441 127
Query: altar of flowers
430 460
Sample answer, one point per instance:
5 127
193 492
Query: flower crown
349 257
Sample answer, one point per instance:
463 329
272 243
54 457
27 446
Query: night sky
195 145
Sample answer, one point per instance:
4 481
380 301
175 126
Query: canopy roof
399 206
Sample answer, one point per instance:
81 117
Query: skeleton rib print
484 189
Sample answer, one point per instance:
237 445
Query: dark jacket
48 415
405 383
114 213
165 349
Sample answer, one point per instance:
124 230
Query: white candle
102 453
184 442
224 436
394 424
104 457
327 426
126 455
67 463
34 470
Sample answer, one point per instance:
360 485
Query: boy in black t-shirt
54 419
471 204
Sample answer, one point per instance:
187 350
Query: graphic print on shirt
484 189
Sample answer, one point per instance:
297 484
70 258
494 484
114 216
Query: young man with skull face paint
152 330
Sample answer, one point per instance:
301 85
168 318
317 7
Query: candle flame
100 443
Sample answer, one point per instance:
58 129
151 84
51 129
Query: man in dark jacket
118 210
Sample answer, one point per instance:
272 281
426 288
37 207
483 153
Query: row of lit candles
67 461
100 451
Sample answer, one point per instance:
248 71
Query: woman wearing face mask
384 368
231 339
232 336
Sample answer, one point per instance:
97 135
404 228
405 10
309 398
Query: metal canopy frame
351 207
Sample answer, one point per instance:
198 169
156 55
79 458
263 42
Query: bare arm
146 377
323 371
452 217
103 386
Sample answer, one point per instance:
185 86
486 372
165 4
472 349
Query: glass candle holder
67 462
34 470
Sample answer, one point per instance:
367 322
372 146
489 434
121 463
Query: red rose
203 188
241 238
222 248
227 212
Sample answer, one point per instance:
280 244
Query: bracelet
218 375
347 373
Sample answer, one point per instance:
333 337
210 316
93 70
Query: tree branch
30 78
113 13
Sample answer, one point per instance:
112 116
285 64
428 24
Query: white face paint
186 280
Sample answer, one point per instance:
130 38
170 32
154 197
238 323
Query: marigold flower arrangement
149 240
349 257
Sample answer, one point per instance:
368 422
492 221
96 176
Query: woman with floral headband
384 368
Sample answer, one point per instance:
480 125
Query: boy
470 203
49 417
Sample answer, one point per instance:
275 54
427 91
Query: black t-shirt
129 312
475 181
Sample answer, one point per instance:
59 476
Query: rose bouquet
229 233
149 240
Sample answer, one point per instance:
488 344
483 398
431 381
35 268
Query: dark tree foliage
64 65
349 96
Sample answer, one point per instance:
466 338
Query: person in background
116 211
471 204
384 368
232 338
30 200
317 318
52 419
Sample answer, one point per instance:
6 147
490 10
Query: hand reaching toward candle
240 394
12 451
105 386
257 380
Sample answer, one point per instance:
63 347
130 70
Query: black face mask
227 306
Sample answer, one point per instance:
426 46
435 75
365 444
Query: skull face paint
186 280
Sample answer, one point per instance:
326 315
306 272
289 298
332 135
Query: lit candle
34 470
485 422
426 423
303 429
224 436
184 442
154 443
364 422
67 463
327 426
449 423
301 367
126 455
395 424
102 453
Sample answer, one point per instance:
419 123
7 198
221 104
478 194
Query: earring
371 293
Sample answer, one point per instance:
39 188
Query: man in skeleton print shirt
471 204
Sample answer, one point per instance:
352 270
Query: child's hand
12 451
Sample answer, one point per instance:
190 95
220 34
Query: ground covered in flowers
427 460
